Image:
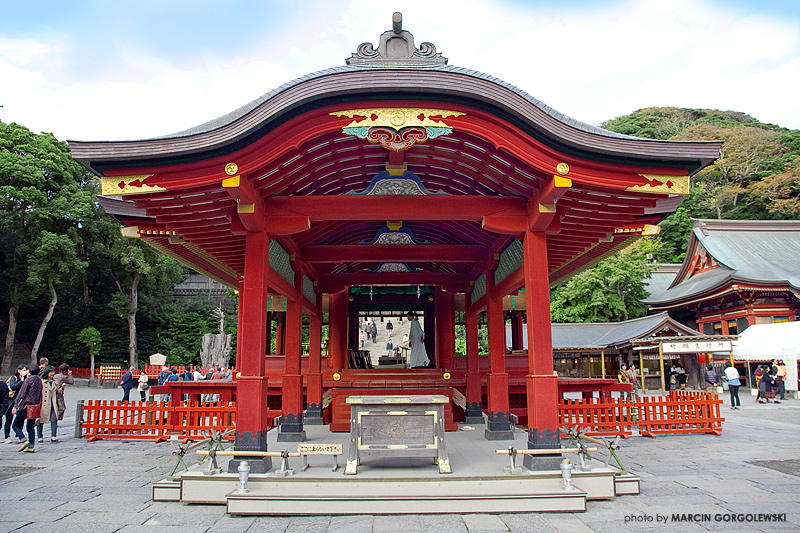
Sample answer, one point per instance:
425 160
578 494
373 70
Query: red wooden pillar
517 330
251 389
292 405
337 330
474 414
280 327
498 426
239 316
314 387
446 332
542 385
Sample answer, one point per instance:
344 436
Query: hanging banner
790 360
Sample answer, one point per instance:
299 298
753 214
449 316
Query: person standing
780 379
622 375
633 377
731 375
49 405
143 386
681 373
374 331
416 338
711 378
63 378
126 381
5 402
29 394
14 383
389 327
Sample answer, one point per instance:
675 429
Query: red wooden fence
598 417
113 419
680 412
676 413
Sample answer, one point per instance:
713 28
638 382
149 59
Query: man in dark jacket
127 384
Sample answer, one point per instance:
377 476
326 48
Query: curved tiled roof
444 83
608 334
757 251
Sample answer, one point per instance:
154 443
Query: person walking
49 411
374 331
126 381
731 375
389 327
14 383
30 394
765 386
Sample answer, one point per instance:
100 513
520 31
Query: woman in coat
49 403
63 378
143 386
29 394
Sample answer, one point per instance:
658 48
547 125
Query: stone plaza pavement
105 486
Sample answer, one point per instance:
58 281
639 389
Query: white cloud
592 62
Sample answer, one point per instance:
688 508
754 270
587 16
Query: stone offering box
397 426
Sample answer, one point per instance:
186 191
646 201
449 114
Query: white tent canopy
764 342
768 341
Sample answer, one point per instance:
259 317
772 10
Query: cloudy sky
107 70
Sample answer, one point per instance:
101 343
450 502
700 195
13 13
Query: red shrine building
402 182
736 273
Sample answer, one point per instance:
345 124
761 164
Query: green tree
42 206
610 292
141 269
92 340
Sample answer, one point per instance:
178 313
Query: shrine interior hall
403 181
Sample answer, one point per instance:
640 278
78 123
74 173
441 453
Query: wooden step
387 497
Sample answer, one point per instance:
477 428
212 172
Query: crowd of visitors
32 397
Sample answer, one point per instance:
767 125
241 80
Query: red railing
680 412
677 412
113 419
599 417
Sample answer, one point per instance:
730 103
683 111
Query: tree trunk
43 326
216 349
133 359
11 334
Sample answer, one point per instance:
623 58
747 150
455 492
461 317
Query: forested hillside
757 177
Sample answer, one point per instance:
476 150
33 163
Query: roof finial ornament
397 22
396 49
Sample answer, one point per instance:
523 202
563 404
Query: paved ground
106 486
